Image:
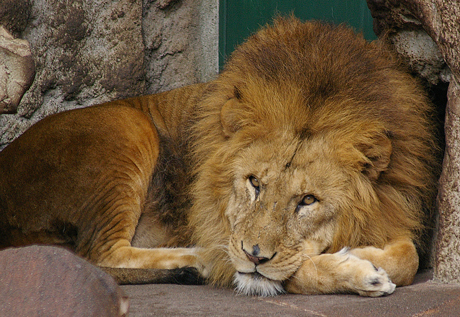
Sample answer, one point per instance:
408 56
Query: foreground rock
51 281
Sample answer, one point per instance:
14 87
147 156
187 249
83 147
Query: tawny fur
328 81
299 110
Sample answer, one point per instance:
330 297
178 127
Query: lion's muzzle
253 257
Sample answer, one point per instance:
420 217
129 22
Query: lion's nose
253 257
256 259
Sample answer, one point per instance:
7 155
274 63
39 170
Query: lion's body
310 141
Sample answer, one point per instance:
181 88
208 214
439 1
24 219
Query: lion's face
284 208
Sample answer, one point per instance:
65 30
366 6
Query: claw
344 251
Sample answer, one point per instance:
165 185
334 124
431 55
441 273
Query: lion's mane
319 64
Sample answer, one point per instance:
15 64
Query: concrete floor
424 298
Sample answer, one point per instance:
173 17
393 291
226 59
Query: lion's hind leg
98 175
116 196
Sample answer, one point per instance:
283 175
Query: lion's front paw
339 272
365 278
199 263
174 258
376 284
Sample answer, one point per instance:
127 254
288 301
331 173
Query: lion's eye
255 183
308 200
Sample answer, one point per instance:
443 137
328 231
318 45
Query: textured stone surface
407 21
447 267
17 70
85 52
422 55
423 298
15 15
401 22
92 51
51 281
174 34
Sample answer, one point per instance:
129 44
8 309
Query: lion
305 167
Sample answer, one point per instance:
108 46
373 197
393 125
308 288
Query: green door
240 18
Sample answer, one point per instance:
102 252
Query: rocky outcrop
447 263
51 281
87 52
17 71
427 34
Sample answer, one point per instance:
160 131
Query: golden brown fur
311 141
311 81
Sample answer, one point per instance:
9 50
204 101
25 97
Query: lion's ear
231 116
377 151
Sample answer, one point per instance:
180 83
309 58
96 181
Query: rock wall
427 33
91 51
17 70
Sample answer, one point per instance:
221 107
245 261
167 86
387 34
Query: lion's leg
116 198
339 272
112 246
398 258
82 178
368 271
123 255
